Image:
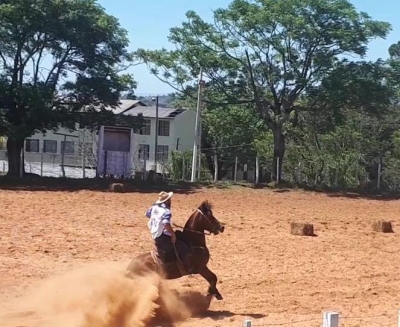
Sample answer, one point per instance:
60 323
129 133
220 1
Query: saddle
168 258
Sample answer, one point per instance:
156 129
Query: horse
193 233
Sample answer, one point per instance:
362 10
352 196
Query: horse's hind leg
212 279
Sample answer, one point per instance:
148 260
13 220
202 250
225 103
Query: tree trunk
14 148
279 153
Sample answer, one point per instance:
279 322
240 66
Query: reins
180 263
195 231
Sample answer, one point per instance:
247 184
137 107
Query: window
163 127
32 145
162 152
144 151
50 146
68 147
146 129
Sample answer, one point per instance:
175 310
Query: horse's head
209 222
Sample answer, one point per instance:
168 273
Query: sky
148 23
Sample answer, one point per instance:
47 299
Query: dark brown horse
193 235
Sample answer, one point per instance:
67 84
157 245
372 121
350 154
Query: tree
231 132
58 58
345 129
367 87
265 52
228 131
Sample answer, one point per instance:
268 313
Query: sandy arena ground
265 274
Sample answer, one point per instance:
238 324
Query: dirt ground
265 273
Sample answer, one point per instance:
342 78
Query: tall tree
228 131
265 52
347 123
57 58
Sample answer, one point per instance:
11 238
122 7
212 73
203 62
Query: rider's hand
171 231
173 237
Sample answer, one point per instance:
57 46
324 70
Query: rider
161 230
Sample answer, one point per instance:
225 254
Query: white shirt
159 216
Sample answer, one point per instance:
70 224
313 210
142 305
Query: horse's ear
206 205
202 205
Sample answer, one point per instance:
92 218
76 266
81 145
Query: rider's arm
148 213
170 230
166 220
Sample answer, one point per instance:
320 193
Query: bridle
197 232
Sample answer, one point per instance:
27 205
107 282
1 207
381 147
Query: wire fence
53 165
257 169
177 165
236 164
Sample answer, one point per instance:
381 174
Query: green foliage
232 130
180 166
391 175
396 144
228 131
290 44
361 86
266 53
68 53
58 58
264 144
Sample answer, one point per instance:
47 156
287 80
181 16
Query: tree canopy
266 53
57 58
285 81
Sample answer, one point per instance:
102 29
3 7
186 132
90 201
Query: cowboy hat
164 196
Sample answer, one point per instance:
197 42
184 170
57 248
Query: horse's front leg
212 279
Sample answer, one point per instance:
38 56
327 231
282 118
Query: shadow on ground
32 182
37 183
368 194
222 314
351 193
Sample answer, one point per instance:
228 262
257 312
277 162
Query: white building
175 132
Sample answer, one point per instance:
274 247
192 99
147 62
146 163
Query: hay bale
117 187
301 229
382 226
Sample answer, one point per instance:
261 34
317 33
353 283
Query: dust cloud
100 295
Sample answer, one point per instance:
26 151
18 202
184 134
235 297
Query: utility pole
156 135
196 128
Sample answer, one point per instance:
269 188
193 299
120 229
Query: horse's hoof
219 297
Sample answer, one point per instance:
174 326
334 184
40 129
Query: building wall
180 137
71 158
162 140
184 130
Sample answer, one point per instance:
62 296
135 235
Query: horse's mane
205 206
